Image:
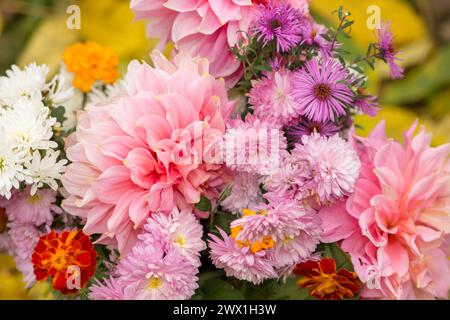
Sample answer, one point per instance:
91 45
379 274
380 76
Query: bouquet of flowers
231 169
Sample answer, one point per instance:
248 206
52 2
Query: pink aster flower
151 273
333 163
366 103
388 51
145 151
312 34
245 192
239 261
294 230
181 230
271 97
321 90
207 28
394 225
254 146
38 209
281 24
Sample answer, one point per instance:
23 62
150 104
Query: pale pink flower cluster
320 169
271 98
395 223
28 217
162 265
268 240
254 146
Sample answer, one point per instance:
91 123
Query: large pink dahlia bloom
207 28
144 152
395 224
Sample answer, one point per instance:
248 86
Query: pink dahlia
240 261
394 225
181 230
38 209
271 98
333 163
151 273
146 150
254 146
207 28
321 90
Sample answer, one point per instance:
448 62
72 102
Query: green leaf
58 113
214 286
223 220
276 290
332 250
204 204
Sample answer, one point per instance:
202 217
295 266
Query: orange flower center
256 246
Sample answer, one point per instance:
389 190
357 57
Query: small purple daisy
306 127
388 51
281 23
321 90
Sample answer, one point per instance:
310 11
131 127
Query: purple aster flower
305 127
280 23
366 103
388 51
321 90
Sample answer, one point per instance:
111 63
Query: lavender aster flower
280 23
388 51
321 90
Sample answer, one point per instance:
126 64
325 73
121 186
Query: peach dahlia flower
142 152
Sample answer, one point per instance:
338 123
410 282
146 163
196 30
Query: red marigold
68 257
324 282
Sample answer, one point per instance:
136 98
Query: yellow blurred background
35 30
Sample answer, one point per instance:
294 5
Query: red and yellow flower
60 255
325 282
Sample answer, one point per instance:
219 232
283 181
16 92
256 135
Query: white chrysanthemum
27 152
17 83
27 123
46 170
59 90
11 169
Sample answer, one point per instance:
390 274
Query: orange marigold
91 62
324 282
67 257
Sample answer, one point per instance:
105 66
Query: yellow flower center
181 240
34 199
154 283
